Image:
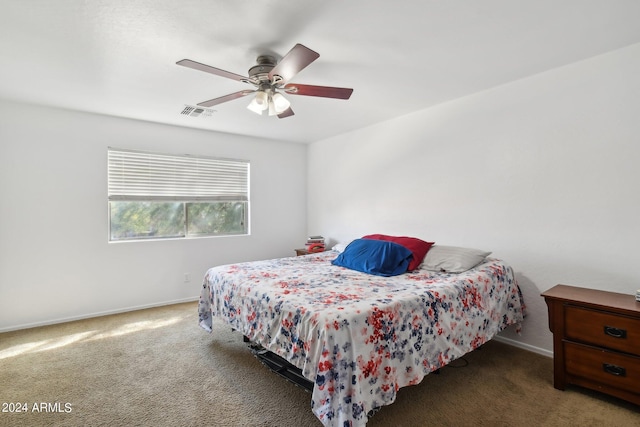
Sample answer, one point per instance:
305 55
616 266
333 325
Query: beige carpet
156 367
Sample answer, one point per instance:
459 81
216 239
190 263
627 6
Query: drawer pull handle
615 332
618 371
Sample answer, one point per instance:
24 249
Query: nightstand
305 252
596 340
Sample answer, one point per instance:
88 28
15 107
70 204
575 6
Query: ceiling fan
271 80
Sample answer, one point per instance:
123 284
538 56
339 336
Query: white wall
542 171
55 261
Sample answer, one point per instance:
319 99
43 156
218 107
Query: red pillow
418 248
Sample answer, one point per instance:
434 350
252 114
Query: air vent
192 111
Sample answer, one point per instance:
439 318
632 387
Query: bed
360 337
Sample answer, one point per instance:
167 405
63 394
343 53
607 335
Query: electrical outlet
187 277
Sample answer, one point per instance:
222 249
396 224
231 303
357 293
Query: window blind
136 175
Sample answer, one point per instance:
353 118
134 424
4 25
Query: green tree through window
216 218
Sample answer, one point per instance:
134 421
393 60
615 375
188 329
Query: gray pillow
453 259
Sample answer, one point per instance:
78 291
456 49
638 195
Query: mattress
358 337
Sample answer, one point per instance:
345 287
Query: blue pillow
379 257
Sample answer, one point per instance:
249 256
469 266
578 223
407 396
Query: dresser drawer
603 329
608 368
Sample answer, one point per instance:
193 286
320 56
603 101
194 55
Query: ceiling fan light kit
269 79
268 101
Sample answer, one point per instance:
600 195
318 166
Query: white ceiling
117 57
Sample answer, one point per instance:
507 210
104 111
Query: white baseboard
98 314
524 346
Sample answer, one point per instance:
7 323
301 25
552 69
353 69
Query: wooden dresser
596 340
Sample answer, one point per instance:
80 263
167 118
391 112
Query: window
157 196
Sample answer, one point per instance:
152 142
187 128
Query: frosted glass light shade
280 102
262 99
259 103
253 106
272 108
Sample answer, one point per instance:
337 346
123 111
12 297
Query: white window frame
141 176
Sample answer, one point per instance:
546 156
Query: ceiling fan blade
323 91
209 69
293 62
286 113
230 97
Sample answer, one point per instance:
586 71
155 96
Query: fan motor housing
265 64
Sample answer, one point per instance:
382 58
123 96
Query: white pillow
453 259
340 247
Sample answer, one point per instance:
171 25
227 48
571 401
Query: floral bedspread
358 337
